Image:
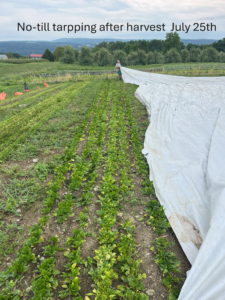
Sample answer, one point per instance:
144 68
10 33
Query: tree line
141 52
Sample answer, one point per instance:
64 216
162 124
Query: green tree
159 57
143 45
76 53
172 56
155 58
120 45
68 55
194 54
120 55
104 57
10 55
95 49
209 54
141 57
95 56
16 55
172 42
132 58
182 46
102 45
184 55
220 45
58 53
48 55
85 57
190 46
221 57
111 46
156 45
130 48
150 58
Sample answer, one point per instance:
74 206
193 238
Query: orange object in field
26 90
45 84
18 93
38 87
2 96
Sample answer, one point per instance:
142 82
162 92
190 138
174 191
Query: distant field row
12 73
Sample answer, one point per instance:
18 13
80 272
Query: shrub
68 55
120 55
141 57
104 57
209 54
172 56
184 55
48 55
85 56
76 53
132 58
194 54
155 58
221 57
58 53
150 58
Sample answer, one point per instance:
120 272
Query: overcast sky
142 12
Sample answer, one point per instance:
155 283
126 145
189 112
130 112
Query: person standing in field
118 66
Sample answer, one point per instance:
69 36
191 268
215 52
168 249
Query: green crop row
166 260
68 158
13 99
89 156
45 281
32 99
116 164
14 126
20 265
38 124
84 166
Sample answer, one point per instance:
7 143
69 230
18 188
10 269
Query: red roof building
36 56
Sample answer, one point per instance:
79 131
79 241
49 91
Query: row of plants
18 267
167 260
71 282
29 100
45 282
68 158
13 99
84 174
129 265
84 165
42 287
30 115
112 256
13 141
104 57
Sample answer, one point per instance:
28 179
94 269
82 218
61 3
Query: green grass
10 234
11 69
64 121
27 101
11 73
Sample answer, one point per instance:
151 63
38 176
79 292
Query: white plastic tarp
185 149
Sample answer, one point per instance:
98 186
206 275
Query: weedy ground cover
14 74
82 221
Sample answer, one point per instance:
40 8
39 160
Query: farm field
11 74
78 215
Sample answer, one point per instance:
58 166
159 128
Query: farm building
3 56
36 56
